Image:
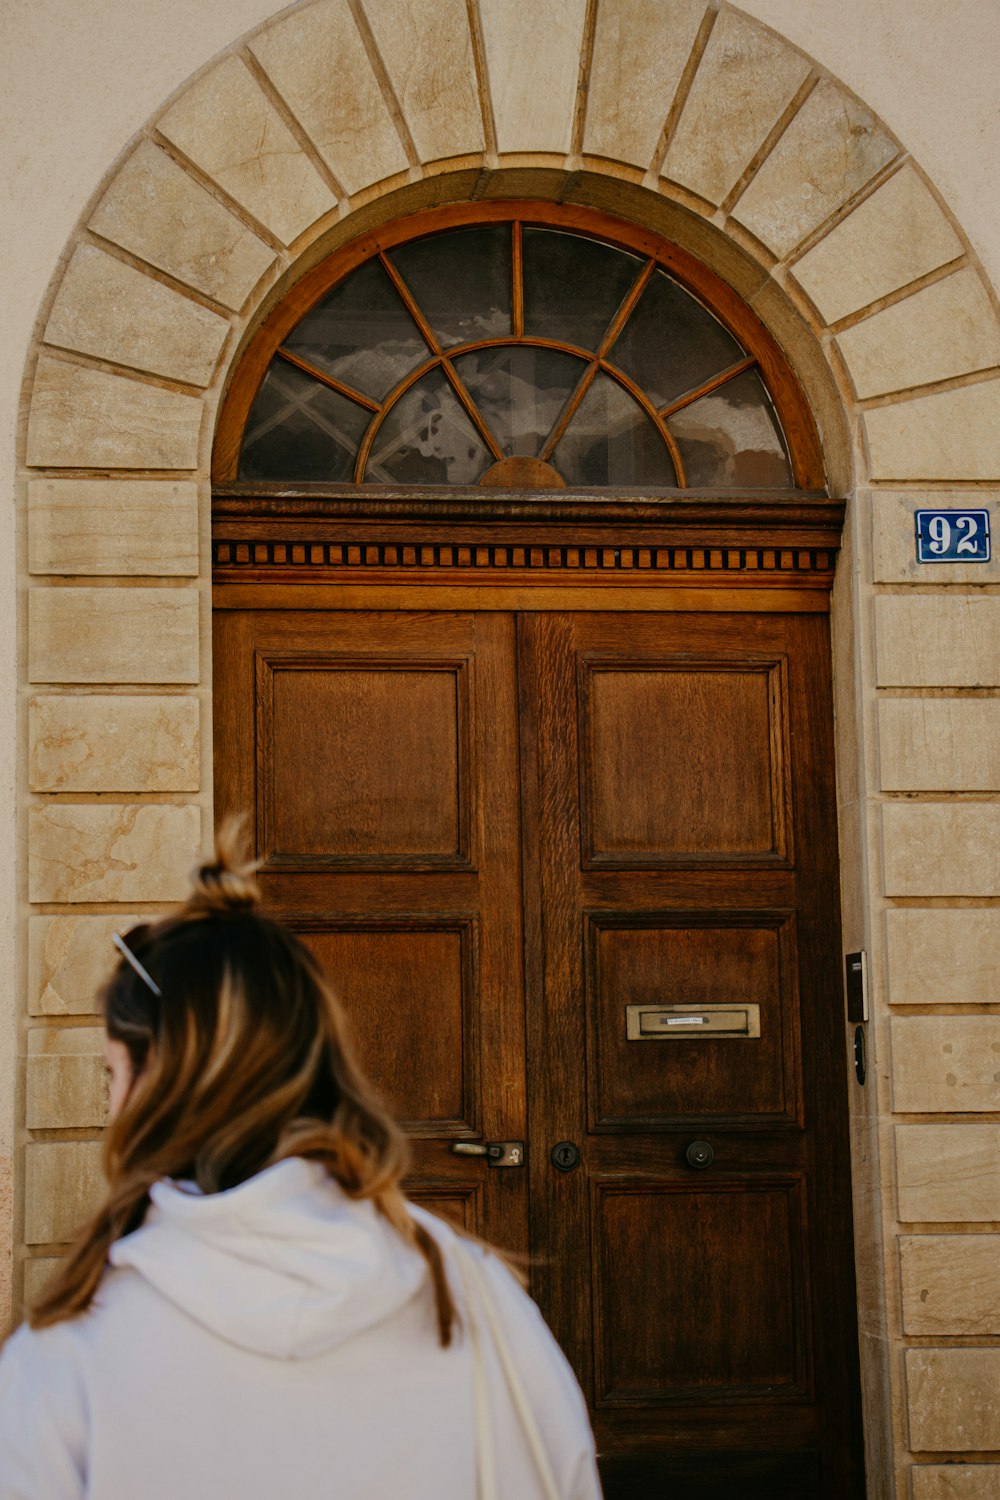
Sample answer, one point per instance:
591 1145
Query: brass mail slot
671 1023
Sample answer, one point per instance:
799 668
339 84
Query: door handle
497 1153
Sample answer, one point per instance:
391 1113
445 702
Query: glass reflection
610 440
670 343
427 438
461 281
573 286
731 438
361 334
520 392
299 429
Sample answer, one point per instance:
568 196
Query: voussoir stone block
108 309
69 958
937 640
111 853
640 50
955 1481
533 61
953 1399
948 1174
939 744
946 1064
746 80
63 1184
113 526
66 1078
226 125
895 236
316 59
941 848
113 635
951 1284
99 742
155 210
426 46
83 418
948 435
943 956
832 148
894 554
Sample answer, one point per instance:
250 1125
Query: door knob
700 1155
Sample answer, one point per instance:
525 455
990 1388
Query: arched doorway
522 558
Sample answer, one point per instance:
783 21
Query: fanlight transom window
457 357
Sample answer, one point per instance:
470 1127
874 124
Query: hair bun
227 883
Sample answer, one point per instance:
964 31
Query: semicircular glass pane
300 429
427 438
461 281
573 286
520 391
671 343
361 334
731 438
611 440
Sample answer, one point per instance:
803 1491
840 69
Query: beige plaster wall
846 253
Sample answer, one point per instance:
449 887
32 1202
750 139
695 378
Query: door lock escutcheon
699 1155
497 1153
565 1156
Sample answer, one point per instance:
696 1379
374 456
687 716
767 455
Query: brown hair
244 1060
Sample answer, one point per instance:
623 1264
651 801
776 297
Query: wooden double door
574 875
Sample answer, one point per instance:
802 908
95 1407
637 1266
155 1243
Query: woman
256 1310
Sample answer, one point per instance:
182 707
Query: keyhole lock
700 1155
565 1156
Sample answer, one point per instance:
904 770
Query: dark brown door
658 791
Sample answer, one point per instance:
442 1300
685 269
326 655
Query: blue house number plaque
954 536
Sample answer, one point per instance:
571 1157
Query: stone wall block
947 329
69 958
110 743
426 46
113 526
533 60
107 309
832 148
63 1184
937 640
67 1084
640 51
226 125
950 435
317 61
82 418
38 1271
155 210
953 1399
894 552
113 635
941 848
951 1284
111 853
939 744
955 1481
943 957
746 79
949 1064
948 1174
895 236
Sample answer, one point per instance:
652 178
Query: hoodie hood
285 1264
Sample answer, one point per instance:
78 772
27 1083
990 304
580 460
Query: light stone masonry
956 1481
113 635
953 1399
533 61
69 958
91 419
950 435
950 1284
949 1064
63 1184
67 1084
943 957
110 743
157 211
939 744
935 640
38 1270
948 1174
228 127
894 553
941 848
426 46
117 527
111 853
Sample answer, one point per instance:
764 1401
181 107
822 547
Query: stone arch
691 118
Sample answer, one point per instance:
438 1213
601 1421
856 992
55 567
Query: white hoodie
277 1340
